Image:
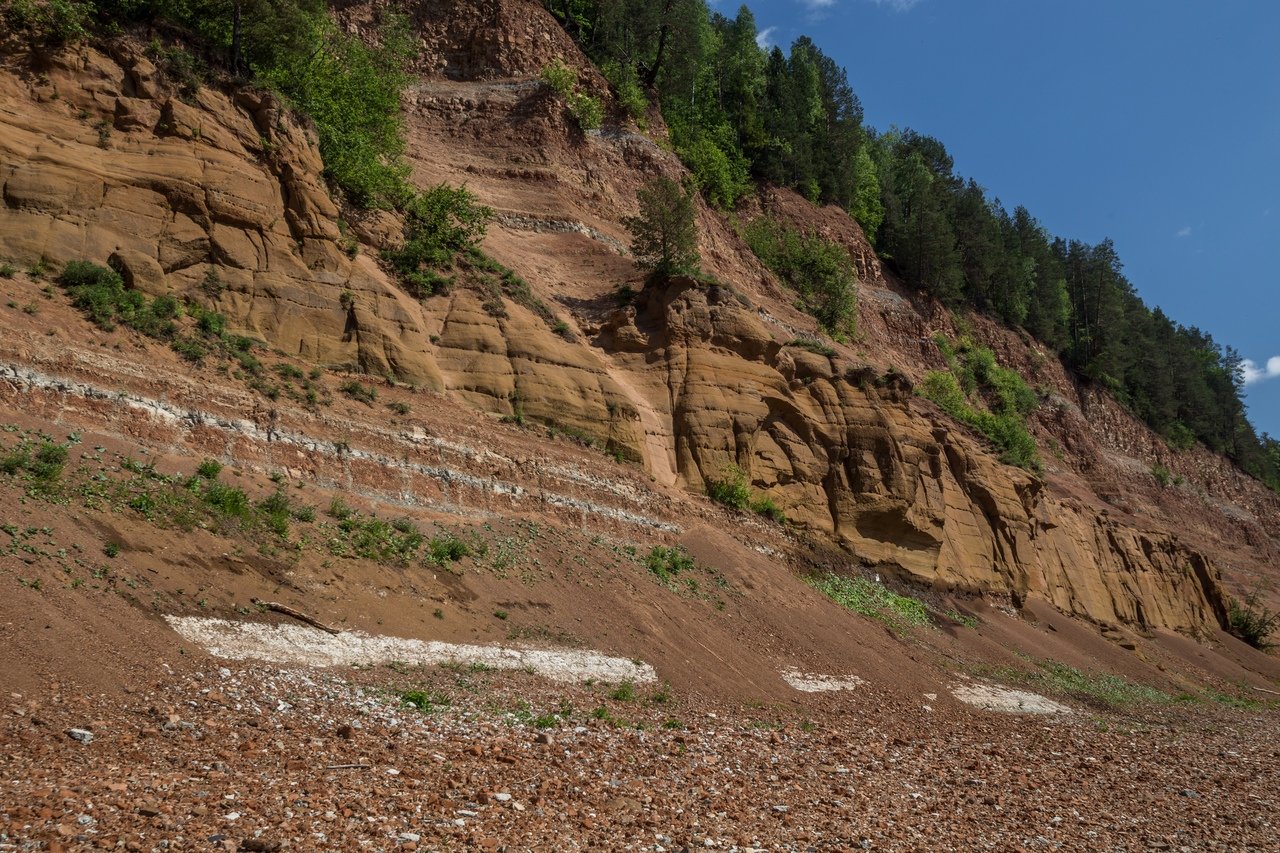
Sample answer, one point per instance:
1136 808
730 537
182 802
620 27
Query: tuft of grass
624 692
875 600
814 346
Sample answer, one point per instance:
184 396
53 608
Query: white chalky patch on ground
296 644
993 697
808 682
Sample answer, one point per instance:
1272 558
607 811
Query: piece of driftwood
296 614
1265 690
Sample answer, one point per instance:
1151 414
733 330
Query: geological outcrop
220 199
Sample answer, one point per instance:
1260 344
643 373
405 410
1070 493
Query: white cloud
820 4
764 38
1254 373
896 5
1184 231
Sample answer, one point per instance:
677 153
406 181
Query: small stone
82 735
410 837
502 798
149 809
781 809
1187 792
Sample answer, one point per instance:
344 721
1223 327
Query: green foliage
440 224
814 346
1252 622
446 548
43 463
873 599
666 563
366 394
422 700
1162 474
100 293
1008 398
625 692
819 270
1109 690
586 110
664 235
49 23
720 170
559 77
730 489
583 106
351 91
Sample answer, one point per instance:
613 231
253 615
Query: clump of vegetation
1110 690
873 599
814 346
1253 622
373 538
440 224
43 463
731 490
1007 398
820 271
422 700
583 106
1162 474
667 563
100 293
446 548
366 394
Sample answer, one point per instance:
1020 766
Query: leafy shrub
814 346
49 22
818 270
769 509
627 90
720 171
1162 474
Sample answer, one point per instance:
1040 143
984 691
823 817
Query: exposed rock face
222 201
855 455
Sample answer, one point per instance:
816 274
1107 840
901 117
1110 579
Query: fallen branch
1265 690
349 767
296 614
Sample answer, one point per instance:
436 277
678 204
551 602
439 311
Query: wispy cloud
764 38
814 5
896 5
1184 231
1253 373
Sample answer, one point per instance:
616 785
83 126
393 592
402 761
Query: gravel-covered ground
262 758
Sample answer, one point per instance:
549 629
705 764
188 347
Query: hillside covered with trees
739 114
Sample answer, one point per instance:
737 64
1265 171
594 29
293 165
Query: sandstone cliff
100 159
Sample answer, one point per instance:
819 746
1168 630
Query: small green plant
625 692
814 346
338 509
586 110
441 224
1162 474
501 614
8 270
111 549
873 599
422 700
399 408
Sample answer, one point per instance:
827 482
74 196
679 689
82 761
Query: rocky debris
869 772
82 735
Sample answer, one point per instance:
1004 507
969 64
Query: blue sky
1153 122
